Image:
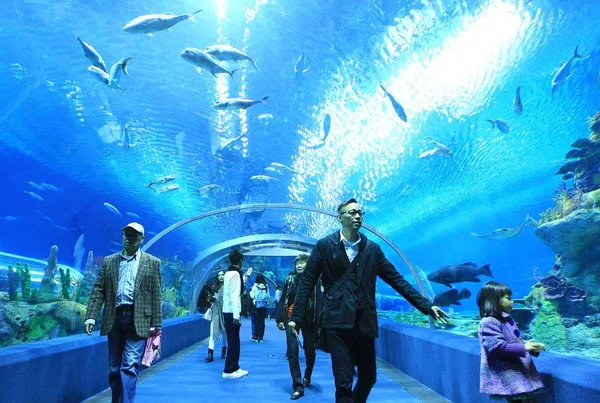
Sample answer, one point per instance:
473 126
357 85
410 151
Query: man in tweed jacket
129 287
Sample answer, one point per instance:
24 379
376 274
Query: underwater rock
568 236
6 331
591 199
584 340
47 286
70 314
569 322
575 239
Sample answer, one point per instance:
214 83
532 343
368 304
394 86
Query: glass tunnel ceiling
210 260
452 64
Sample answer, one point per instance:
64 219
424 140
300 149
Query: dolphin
300 66
228 52
237 103
505 233
397 107
229 144
93 55
201 59
564 72
147 24
440 149
101 76
114 76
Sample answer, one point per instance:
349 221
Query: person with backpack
260 297
348 265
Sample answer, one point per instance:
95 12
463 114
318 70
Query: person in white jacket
260 299
233 284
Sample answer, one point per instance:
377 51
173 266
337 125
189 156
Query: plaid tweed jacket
147 298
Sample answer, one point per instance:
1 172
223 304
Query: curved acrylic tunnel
201 230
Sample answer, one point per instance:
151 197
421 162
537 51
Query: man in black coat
349 312
309 329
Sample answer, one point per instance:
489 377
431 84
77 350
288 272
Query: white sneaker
234 375
241 371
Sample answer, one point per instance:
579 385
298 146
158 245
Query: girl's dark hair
488 299
260 279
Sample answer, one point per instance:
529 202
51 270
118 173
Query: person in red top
308 328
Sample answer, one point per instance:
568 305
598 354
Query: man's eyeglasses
353 213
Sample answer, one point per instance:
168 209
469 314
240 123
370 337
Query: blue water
451 64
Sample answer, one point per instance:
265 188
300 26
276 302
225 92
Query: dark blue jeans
233 344
261 314
125 350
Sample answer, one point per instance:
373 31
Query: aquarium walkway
185 377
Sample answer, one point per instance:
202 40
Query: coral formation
13 283
25 276
84 288
47 286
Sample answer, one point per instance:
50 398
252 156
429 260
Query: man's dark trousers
233 344
343 343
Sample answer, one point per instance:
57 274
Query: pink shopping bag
152 351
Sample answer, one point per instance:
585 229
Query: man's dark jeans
343 344
233 344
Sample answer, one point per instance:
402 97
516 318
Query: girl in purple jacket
507 369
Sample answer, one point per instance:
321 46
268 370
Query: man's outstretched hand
439 316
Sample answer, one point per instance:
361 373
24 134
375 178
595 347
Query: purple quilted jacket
506 368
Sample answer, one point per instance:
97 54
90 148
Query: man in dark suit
129 287
348 264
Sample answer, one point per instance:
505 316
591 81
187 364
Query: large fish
460 273
50 187
203 60
326 126
500 124
440 149
147 24
564 72
237 103
34 195
93 55
113 209
160 181
300 66
505 233
517 102
167 188
396 105
228 52
451 297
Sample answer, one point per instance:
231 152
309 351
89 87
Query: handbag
321 343
152 349
208 314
